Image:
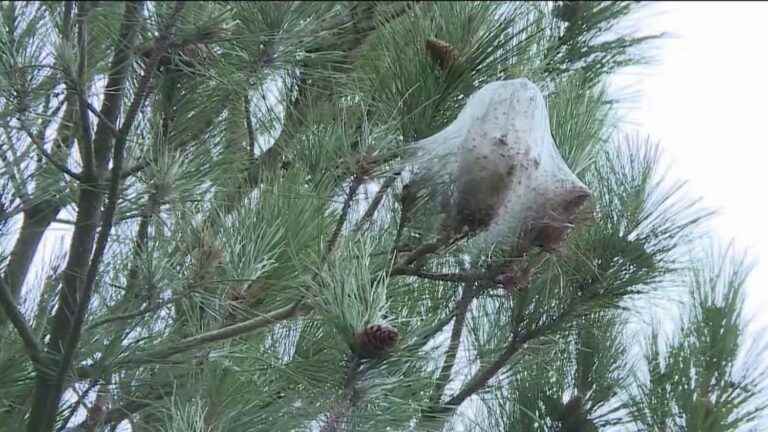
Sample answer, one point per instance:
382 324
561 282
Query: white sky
704 100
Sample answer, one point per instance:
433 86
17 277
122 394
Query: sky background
704 100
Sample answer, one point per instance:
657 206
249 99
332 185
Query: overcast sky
705 101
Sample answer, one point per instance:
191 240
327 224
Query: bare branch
249 125
418 253
134 170
357 181
40 148
462 306
375 202
466 277
130 315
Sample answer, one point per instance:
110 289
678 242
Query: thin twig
424 336
375 202
357 181
462 306
86 147
130 315
60 166
465 277
221 334
31 344
249 125
134 170
418 253
342 408
108 124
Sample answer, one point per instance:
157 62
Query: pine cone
514 279
442 53
376 340
550 235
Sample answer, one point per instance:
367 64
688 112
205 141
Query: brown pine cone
376 340
551 235
442 53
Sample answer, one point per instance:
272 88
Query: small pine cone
442 53
551 235
237 300
514 280
376 340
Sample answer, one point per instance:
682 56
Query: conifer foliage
210 221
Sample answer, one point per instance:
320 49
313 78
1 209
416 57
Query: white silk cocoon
504 174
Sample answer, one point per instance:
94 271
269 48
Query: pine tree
224 216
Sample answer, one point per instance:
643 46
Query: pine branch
132 281
7 214
193 342
114 189
422 251
136 403
517 342
76 406
270 157
80 272
481 378
418 253
37 218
